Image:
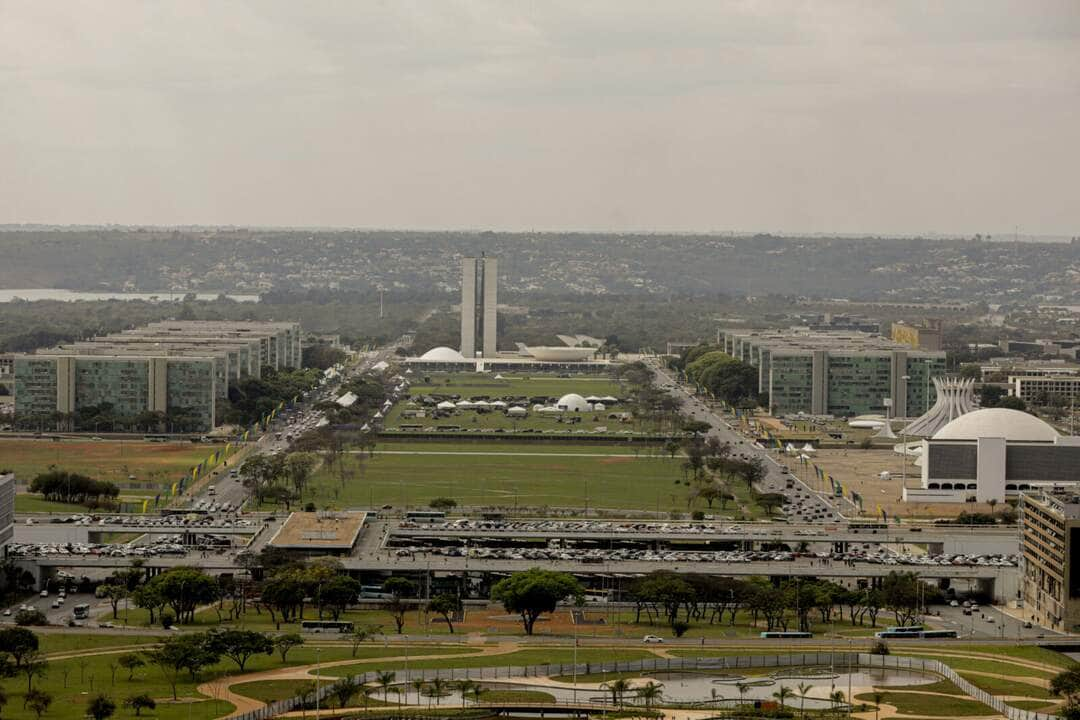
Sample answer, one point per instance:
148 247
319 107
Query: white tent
498 403
790 449
593 399
599 407
464 404
446 405
517 411
380 366
498 377
378 415
609 400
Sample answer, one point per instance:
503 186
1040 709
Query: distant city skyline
837 117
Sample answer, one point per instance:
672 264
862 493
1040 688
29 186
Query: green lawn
990 666
269 691
112 460
73 681
35 503
930 705
1000 686
941 686
512 696
1026 652
643 483
514 659
70 642
512 385
1036 705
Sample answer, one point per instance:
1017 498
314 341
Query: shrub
880 647
31 617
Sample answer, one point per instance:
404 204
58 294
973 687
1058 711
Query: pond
719 688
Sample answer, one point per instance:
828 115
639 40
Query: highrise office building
479 298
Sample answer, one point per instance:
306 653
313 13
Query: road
808 504
228 489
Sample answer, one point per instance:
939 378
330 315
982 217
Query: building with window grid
837 373
1049 523
180 369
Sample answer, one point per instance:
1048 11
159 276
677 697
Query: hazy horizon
819 118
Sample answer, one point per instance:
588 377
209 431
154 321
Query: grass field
930 705
1000 686
159 464
490 474
550 387
512 385
540 656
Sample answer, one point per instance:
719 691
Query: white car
44 593
652 639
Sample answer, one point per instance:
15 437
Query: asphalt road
776 479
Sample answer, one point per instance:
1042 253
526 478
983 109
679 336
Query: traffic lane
986 622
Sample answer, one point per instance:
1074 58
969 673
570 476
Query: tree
130 662
617 687
3 698
298 468
443 503
114 593
101 707
34 665
804 691
743 688
343 690
33 616
184 589
782 694
418 685
240 645
284 643
18 642
901 594
878 697
650 692
339 593
534 592
1012 402
384 679
362 634
141 702
1066 684
191 652
38 701
446 605
399 589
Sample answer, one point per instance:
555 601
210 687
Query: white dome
573 402
997 423
443 354
519 411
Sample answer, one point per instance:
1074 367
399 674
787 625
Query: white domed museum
992 454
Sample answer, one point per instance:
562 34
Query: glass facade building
841 374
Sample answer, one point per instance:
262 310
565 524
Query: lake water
32 294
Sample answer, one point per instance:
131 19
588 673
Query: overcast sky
957 116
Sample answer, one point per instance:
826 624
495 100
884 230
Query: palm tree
385 680
837 698
878 697
617 688
742 688
650 692
782 694
804 690
465 687
418 685
477 691
437 689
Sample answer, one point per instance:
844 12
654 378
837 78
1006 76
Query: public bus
920 634
428 516
374 592
786 634
326 626
81 612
